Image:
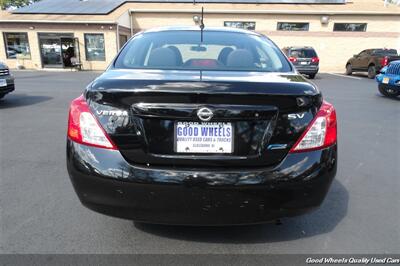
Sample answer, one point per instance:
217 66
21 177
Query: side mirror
355 55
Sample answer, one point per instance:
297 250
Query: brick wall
78 31
333 48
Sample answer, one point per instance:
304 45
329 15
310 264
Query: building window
247 25
17 45
94 47
350 27
122 40
293 26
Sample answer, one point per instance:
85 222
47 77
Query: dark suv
6 80
305 59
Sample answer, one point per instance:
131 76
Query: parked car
177 131
6 80
304 58
371 61
389 79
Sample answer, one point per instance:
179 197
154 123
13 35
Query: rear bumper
394 89
307 69
106 183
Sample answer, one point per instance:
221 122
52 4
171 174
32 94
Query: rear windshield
385 52
303 53
183 50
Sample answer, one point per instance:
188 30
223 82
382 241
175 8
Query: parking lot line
346 76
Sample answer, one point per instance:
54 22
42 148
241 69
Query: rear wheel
312 76
385 91
349 69
371 71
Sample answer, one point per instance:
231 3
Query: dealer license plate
207 137
386 80
3 82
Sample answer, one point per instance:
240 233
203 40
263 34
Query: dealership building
89 33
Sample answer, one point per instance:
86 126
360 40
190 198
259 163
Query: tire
311 76
371 71
2 95
384 92
349 69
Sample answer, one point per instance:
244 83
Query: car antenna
202 23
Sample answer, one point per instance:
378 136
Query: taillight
84 128
292 59
384 61
314 59
321 133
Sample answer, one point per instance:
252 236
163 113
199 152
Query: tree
5 4
397 2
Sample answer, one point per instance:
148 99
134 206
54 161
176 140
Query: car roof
197 28
299 47
380 49
383 49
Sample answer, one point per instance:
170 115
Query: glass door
50 50
56 48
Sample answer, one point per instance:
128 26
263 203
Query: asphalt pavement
40 212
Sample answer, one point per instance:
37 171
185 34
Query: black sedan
195 127
6 80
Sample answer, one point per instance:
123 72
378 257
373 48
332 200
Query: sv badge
296 116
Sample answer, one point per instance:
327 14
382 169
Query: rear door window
303 53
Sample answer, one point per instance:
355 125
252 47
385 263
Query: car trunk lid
140 110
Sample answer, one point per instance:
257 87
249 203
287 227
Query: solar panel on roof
71 7
101 7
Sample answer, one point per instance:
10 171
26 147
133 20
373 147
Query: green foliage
4 4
